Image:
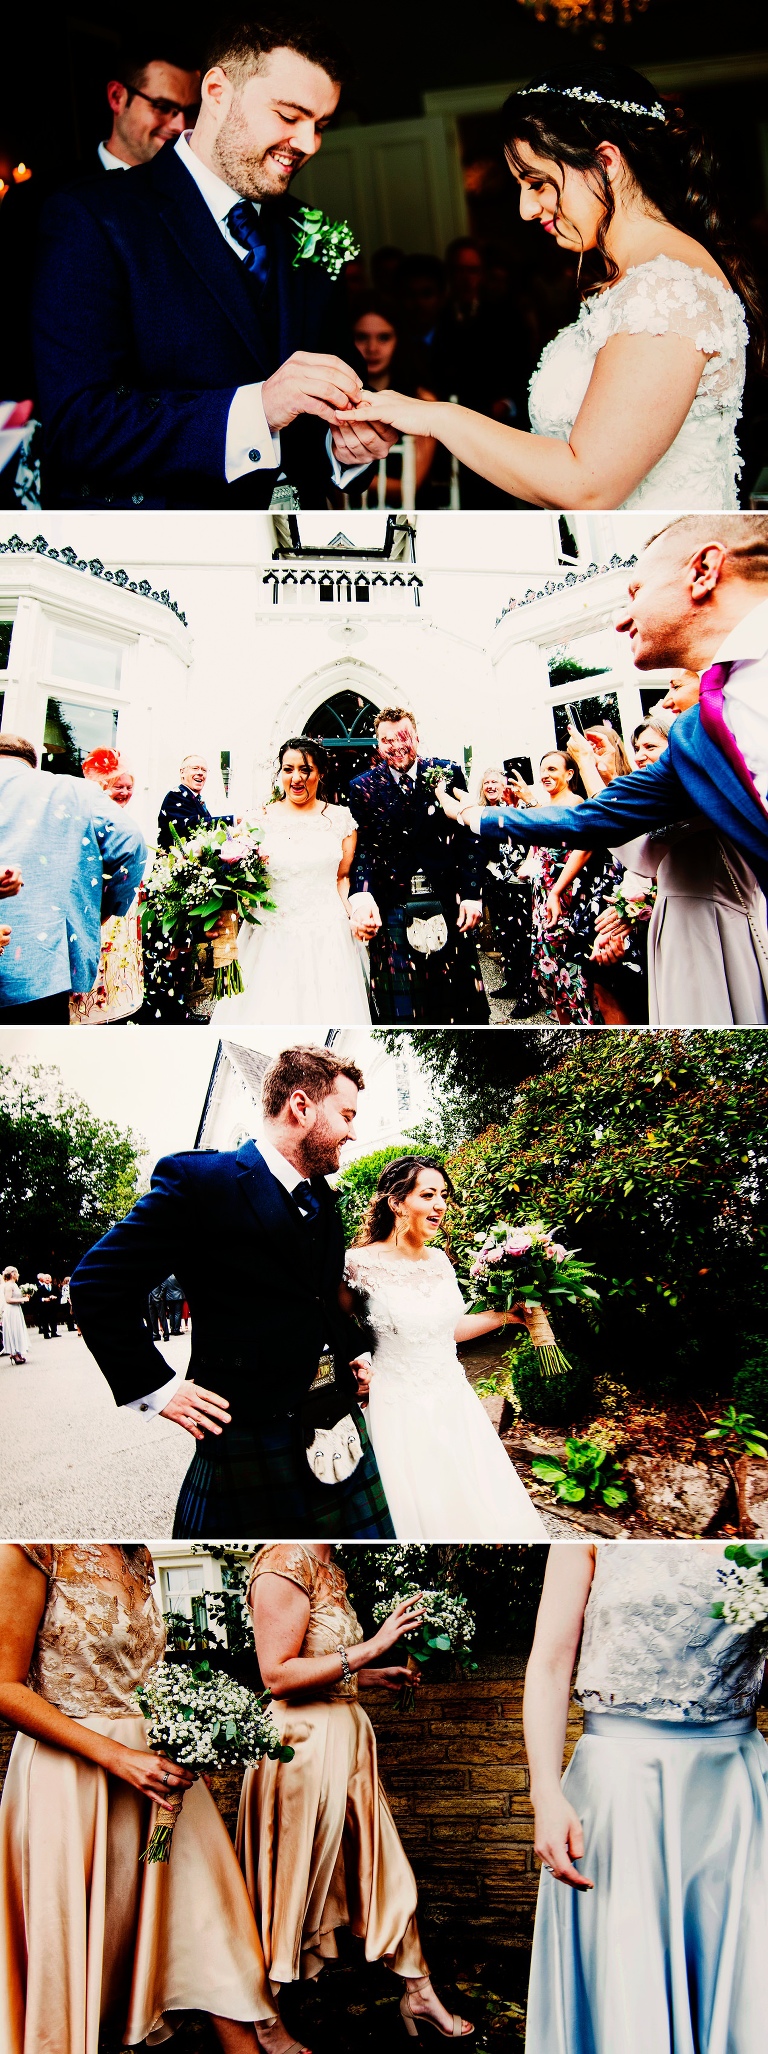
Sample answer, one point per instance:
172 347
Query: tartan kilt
256 1481
444 988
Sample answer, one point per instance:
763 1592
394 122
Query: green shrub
357 1183
750 1383
550 1400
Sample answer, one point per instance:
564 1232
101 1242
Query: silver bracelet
346 1672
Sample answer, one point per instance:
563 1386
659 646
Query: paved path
74 1465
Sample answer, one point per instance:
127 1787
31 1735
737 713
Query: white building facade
214 640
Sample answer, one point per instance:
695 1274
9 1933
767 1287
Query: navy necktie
306 1198
246 226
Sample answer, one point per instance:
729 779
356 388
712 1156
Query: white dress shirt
287 1175
745 692
251 444
110 161
400 775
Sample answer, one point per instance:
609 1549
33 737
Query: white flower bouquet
203 1719
745 1586
448 1626
525 1266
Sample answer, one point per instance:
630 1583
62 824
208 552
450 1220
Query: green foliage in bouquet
197 880
448 1627
745 1586
525 1265
588 1476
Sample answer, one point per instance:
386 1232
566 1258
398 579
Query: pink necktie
716 726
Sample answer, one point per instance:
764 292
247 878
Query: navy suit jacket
145 325
212 1219
397 836
186 811
692 776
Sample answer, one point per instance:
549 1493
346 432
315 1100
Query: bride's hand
363 1368
393 409
406 1618
558 1839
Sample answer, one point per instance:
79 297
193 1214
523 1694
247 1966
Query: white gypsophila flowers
444 1612
204 1722
744 1599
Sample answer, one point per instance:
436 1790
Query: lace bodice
303 856
702 466
332 1621
414 1309
101 1632
650 1644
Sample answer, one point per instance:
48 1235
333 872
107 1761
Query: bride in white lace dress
445 1472
636 403
303 963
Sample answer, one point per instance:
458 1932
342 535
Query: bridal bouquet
203 1720
447 1628
632 907
525 1266
213 877
745 1599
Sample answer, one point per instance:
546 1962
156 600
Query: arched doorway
344 725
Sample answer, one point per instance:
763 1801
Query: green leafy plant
750 1383
589 1473
550 1401
739 1434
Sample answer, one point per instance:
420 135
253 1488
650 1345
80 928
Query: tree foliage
649 1152
65 1176
475 1077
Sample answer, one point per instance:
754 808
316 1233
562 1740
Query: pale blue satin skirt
669 1953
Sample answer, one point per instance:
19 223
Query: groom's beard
320 1155
245 168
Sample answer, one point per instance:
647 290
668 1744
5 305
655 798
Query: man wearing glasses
152 100
189 351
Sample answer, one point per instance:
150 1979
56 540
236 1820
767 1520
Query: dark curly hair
672 163
312 752
395 1183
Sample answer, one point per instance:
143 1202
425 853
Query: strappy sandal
412 2021
266 2027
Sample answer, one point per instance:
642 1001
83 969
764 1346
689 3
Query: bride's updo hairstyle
315 756
396 1181
566 113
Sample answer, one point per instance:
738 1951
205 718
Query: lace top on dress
702 465
332 1621
304 851
101 1633
651 1646
414 1309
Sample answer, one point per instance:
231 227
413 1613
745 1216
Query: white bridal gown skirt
14 1330
445 1472
299 968
669 1953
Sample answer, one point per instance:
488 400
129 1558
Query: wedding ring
166 1777
548 1868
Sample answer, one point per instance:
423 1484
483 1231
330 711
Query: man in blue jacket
80 860
191 343
698 600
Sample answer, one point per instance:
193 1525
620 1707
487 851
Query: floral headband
655 113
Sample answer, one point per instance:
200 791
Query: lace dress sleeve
345 821
44 1558
666 297
293 1563
451 1277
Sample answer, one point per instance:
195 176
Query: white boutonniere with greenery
319 240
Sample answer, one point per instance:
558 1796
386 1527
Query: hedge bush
750 1384
550 1400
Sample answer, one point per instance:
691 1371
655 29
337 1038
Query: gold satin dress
90 1938
317 1841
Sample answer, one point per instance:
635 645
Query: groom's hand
309 384
198 1411
364 443
470 914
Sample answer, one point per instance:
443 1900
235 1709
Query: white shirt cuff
339 477
153 1401
250 445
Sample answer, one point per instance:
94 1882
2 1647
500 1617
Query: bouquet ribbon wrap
225 942
538 1326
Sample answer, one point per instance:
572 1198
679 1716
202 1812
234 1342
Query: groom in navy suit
698 600
283 1448
187 354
